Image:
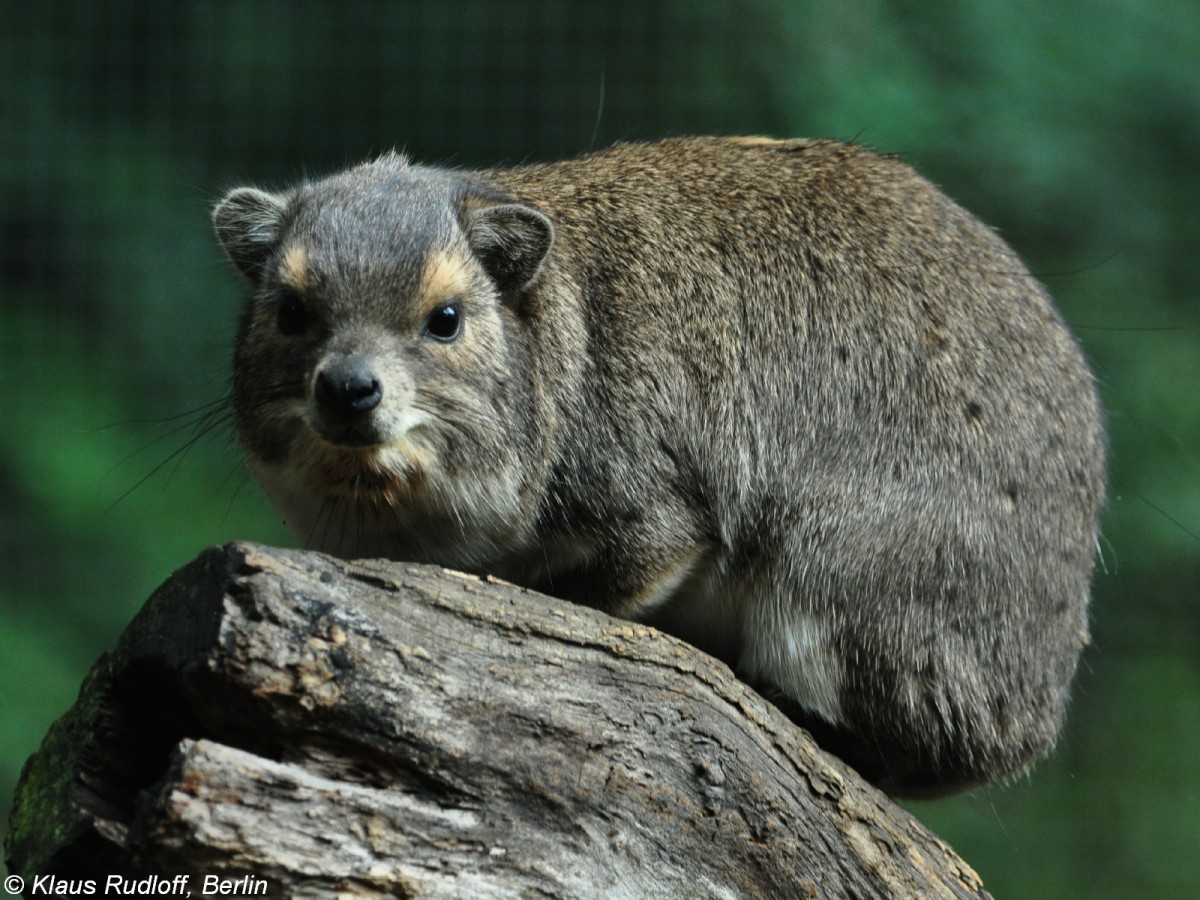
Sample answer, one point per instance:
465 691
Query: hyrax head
377 374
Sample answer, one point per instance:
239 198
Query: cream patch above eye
446 275
755 140
293 269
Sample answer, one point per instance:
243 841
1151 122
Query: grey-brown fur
783 398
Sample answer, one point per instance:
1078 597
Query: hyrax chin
782 398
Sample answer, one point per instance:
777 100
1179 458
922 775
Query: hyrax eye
291 316
444 323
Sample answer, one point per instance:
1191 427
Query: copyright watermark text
149 886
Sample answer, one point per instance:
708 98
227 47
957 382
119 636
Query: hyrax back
784 399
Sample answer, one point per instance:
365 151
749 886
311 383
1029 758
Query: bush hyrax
781 398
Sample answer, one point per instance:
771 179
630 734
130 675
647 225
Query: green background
1074 128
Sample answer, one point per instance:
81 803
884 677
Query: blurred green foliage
1075 129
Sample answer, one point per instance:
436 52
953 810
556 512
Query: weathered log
322 728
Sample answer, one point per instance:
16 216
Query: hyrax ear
511 241
248 223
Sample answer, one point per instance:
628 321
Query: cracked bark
378 729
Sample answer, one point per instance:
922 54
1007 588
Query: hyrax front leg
632 570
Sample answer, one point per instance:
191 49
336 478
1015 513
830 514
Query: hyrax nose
348 387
